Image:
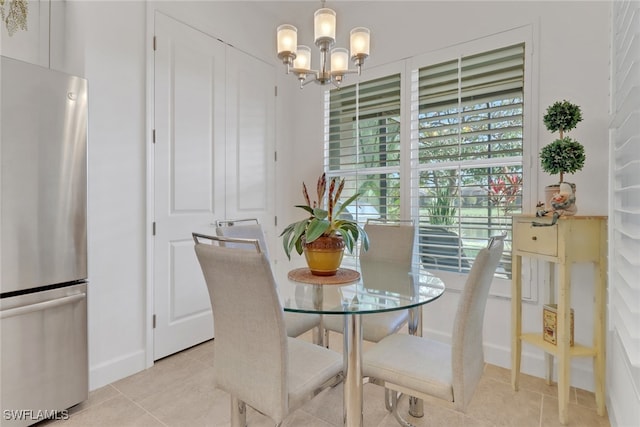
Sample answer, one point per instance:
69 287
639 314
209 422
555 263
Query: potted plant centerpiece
324 234
564 155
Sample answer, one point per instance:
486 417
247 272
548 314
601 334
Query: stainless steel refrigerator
43 236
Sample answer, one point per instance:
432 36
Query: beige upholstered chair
423 367
391 242
254 360
297 323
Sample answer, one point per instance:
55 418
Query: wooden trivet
344 275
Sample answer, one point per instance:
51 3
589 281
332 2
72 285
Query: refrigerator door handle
41 306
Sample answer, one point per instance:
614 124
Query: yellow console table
572 239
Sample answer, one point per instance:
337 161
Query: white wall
114 64
106 42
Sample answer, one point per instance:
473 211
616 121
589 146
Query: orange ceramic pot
324 255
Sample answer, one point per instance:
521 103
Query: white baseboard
113 370
532 361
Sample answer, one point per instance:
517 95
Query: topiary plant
564 155
562 116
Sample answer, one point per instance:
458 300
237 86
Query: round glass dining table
380 287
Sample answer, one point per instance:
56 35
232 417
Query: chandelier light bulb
339 61
303 59
360 40
287 40
324 26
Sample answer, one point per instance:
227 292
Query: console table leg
516 320
551 298
564 334
599 337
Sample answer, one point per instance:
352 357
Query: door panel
186 301
192 174
250 138
189 177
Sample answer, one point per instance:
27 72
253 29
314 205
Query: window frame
409 137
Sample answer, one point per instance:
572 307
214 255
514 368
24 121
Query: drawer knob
534 238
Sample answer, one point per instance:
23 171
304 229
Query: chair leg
388 400
318 335
416 407
395 400
238 413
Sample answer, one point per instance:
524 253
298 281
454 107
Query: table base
352 353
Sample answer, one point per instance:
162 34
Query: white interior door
250 141
189 177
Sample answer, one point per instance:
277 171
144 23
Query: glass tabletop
382 286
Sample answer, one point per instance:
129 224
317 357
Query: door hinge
275 220
153 228
276 90
154 321
275 156
153 136
154 43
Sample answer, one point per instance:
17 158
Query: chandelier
298 58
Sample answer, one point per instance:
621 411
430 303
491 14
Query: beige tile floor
179 391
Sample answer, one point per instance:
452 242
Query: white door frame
150 187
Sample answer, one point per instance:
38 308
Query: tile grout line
145 410
138 405
541 409
92 406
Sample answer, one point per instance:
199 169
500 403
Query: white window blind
363 145
467 155
624 214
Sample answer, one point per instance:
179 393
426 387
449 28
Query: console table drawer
539 240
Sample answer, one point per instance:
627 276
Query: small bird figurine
540 210
564 201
